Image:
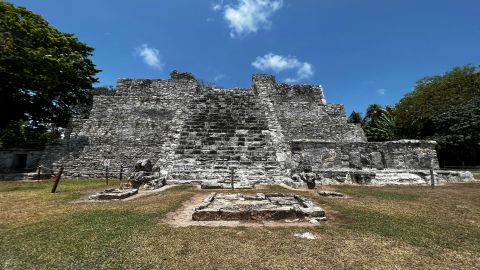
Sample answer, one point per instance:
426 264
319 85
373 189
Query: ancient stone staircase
226 129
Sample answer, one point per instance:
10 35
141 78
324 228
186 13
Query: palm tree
373 112
383 127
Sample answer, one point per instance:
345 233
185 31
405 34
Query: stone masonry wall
140 121
262 86
309 120
227 129
303 113
404 154
192 134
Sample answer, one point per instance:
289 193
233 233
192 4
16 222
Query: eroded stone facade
268 133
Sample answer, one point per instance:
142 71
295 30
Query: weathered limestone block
355 160
359 177
143 175
181 75
398 178
114 194
144 165
377 160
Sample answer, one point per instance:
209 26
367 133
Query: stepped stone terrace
269 133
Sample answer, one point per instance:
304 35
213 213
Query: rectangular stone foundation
269 206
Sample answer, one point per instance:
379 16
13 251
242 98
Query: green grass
419 232
378 227
383 194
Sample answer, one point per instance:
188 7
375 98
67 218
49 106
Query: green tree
44 74
355 118
445 108
384 128
379 123
372 114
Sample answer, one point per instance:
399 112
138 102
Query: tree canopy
44 74
445 108
355 118
378 124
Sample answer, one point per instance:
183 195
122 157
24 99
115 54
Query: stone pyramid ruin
270 133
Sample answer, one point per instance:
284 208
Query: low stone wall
377 163
318 155
379 177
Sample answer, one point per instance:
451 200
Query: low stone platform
262 206
113 194
219 185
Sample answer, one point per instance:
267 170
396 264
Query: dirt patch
335 218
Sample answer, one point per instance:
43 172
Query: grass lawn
378 227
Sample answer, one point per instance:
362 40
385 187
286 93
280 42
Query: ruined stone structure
262 206
269 133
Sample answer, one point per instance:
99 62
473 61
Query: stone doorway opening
19 162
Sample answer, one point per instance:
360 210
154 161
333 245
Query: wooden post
106 163
231 176
432 178
106 174
39 172
121 173
57 179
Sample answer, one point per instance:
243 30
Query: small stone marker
106 162
329 193
306 235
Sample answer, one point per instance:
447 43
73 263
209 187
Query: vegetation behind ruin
444 108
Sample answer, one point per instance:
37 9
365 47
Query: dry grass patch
450 204
380 228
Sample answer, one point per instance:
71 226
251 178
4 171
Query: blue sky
360 51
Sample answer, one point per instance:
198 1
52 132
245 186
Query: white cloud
248 16
275 62
381 91
279 63
150 56
304 72
218 6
